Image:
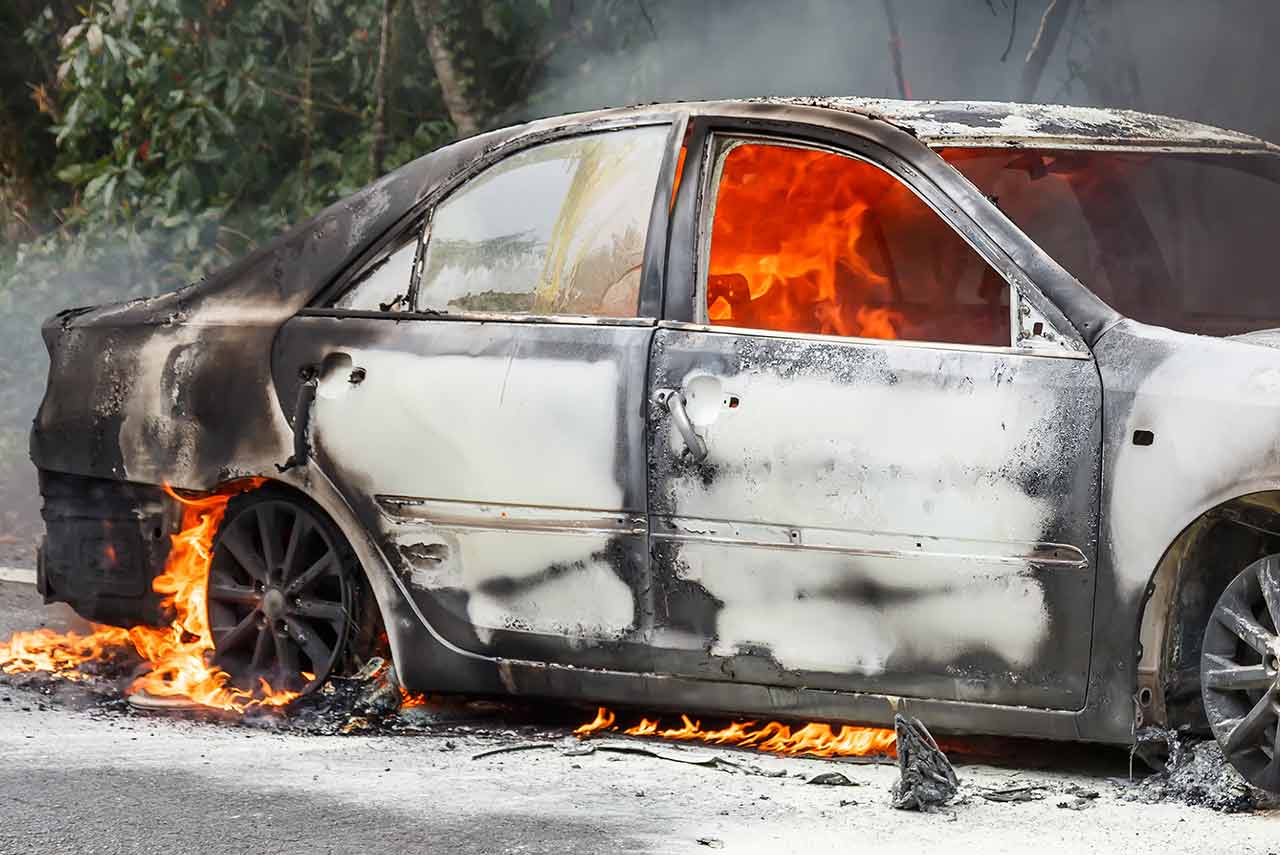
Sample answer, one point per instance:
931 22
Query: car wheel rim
1240 672
279 601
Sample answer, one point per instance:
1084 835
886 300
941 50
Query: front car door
874 462
480 400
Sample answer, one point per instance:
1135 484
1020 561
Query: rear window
1186 242
558 228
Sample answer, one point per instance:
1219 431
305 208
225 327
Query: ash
1199 775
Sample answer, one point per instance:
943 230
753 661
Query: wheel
1240 672
284 593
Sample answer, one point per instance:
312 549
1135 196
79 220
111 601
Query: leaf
69 37
109 191
73 174
94 186
130 48
220 119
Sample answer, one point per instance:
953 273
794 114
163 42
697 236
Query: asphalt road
104 781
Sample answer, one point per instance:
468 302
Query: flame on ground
813 739
179 655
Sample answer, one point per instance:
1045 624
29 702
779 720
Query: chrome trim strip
497 516
868 543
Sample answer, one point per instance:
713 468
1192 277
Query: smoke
1202 61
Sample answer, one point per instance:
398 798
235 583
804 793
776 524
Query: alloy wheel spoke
240 632
266 514
297 531
304 579
1236 617
324 610
1249 729
1269 581
244 554
1226 674
317 651
229 592
262 649
286 654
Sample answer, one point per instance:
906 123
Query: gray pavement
100 781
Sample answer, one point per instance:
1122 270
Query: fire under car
822 408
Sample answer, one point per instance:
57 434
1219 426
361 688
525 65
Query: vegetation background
144 143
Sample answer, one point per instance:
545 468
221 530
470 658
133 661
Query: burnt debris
926 779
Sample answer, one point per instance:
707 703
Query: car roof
998 123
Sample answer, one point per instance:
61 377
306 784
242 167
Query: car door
480 395
857 481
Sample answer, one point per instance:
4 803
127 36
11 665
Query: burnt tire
286 599
1240 672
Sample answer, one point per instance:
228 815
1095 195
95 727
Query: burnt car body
652 503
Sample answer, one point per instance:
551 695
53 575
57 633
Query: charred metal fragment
926 778
302 419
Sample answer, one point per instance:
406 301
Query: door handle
673 401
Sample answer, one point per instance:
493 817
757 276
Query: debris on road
1204 777
1029 793
926 778
831 779
508 749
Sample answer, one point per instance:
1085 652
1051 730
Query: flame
179 655
59 653
817 269
816 242
408 700
813 739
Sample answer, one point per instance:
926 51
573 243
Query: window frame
693 217
653 264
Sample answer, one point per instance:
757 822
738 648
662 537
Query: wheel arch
1180 595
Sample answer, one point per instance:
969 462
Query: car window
811 241
1183 241
384 287
554 229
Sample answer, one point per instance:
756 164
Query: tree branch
378 147
444 61
895 50
1046 37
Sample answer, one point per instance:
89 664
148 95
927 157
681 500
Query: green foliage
184 139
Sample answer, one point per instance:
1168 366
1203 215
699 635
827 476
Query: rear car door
480 400
858 480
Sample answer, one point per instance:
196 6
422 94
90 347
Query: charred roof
983 123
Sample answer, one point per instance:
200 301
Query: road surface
105 781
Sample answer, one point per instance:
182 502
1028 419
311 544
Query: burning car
820 408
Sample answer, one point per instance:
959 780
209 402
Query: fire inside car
857 253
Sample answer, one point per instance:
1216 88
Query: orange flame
817 269
409 700
813 739
816 242
59 653
178 655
